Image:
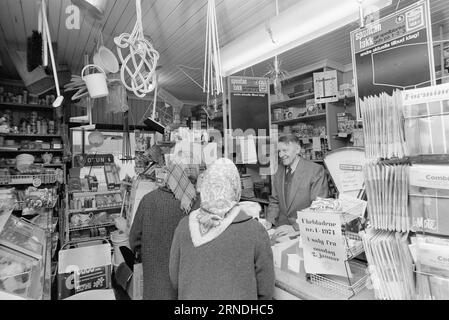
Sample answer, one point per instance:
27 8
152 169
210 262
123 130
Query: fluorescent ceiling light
302 22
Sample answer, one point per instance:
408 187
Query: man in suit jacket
296 184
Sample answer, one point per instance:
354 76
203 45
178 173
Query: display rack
17 140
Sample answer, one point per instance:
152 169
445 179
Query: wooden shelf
94 209
303 118
341 135
25 135
91 226
31 150
26 106
51 165
91 193
292 101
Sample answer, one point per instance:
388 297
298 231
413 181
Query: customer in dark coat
218 251
154 224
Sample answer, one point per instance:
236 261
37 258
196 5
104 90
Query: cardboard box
429 198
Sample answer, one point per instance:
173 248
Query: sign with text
323 243
325 86
249 103
87 160
92 279
392 53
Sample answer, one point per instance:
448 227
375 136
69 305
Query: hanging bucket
104 58
95 82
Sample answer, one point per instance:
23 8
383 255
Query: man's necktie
288 172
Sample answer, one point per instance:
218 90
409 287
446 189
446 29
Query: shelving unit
31 150
40 180
25 106
310 117
326 117
285 103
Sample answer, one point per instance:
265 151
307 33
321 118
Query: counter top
290 286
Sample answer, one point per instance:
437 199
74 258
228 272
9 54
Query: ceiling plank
90 42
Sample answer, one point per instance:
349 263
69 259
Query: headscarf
177 180
220 192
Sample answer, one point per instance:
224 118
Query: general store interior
79 117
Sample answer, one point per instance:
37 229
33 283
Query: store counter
290 286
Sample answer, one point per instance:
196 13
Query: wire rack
354 244
343 286
30 178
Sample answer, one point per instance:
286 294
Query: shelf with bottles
95 201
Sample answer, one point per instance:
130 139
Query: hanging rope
212 80
140 64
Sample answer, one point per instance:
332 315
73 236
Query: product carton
429 198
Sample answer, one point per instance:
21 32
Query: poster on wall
249 104
392 53
325 86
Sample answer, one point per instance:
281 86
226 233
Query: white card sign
323 243
325 86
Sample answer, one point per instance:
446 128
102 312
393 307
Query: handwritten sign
323 243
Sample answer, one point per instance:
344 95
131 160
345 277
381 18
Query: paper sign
210 153
316 144
323 243
430 176
248 153
353 205
325 86
351 180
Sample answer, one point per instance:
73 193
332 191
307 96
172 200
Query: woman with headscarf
218 251
154 224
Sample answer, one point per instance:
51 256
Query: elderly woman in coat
219 252
156 219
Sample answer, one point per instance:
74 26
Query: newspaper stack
387 192
390 264
383 126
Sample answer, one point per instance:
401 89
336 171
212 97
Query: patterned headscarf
220 191
220 188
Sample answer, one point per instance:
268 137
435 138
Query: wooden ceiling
177 30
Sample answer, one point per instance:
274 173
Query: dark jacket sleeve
319 185
135 234
273 206
175 252
264 265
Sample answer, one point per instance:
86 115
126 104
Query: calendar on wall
325 86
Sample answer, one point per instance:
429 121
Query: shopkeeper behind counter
296 183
